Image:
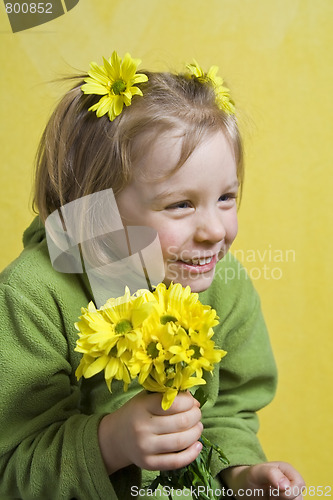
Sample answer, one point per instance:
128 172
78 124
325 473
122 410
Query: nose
210 226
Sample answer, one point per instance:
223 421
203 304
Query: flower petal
128 67
135 91
93 87
139 78
168 398
114 65
97 366
104 105
118 104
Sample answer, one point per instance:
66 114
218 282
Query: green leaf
196 474
200 396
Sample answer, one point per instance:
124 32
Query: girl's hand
141 433
275 479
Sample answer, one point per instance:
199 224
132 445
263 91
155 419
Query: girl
173 158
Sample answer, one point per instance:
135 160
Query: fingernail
283 484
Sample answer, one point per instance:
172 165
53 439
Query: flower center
196 350
123 326
118 87
166 318
170 372
152 350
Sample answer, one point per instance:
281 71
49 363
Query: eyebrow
232 186
187 194
167 194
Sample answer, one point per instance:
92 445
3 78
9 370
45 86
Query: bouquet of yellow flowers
164 339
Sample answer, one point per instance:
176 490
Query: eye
227 197
179 205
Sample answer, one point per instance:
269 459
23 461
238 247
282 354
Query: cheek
170 240
232 226
168 243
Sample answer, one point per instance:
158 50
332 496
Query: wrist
234 477
110 444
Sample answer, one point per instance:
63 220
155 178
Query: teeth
205 261
202 261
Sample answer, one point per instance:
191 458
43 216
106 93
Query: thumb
291 476
269 474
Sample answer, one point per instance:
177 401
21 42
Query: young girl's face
193 209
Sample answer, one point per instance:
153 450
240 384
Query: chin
200 287
197 285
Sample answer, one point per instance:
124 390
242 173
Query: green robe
48 440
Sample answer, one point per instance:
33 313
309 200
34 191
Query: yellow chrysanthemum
154 353
116 81
177 343
109 335
222 93
145 359
205 354
161 337
181 306
177 378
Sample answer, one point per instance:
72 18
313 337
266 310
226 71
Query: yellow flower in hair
116 81
222 94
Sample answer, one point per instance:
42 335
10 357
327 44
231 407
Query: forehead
168 155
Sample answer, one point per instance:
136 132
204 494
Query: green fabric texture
49 421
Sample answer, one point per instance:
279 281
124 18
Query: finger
178 441
178 422
291 494
292 474
184 401
292 480
196 402
278 475
267 474
171 461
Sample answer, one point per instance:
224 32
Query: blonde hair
80 154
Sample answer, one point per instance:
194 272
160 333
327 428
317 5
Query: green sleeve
48 448
246 379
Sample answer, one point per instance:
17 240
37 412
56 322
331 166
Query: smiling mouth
199 264
199 261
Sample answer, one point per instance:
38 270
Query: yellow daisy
163 337
180 306
147 358
179 379
222 94
118 368
116 81
205 354
108 336
154 353
182 349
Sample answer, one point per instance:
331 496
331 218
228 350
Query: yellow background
277 57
